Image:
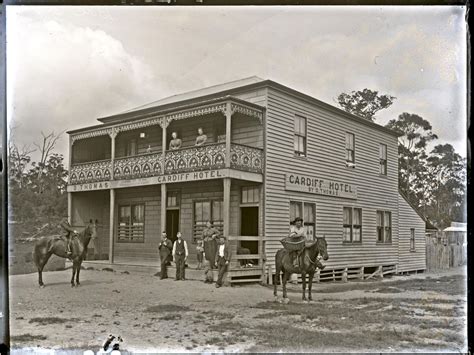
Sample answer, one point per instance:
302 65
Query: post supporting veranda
226 207
112 224
163 208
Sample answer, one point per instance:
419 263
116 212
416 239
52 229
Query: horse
47 246
307 260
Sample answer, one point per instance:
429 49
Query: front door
172 224
249 227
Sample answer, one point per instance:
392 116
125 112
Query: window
131 226
384 227
172 199
352 225
412 239
300 136
309 216
209 210
383 159
350 148
250 194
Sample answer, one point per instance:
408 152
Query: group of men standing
216 252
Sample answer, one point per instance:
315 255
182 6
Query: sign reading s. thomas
311 184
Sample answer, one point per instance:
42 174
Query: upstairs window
384 227
131 148
352 225
383 159
350 148
300 136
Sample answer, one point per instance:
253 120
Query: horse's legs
74 268
40 263
310 285
285 278
276 280
303 279
77 273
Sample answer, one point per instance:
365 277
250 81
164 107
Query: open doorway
249 227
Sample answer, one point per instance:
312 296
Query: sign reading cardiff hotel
311 184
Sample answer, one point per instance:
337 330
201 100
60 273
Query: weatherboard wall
326 160
410 259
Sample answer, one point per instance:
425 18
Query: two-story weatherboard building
272 153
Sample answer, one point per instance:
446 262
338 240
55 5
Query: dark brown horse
308 259
47 246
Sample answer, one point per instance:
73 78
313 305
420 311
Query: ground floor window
131 223
208 210
352 225
412 239
384 227
307 211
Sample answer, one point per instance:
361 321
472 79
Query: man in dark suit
67 230
165 254
223 259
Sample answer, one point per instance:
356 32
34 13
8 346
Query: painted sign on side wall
315 185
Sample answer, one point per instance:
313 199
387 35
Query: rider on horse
298 232
67 229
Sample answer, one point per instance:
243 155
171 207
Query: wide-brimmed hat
298 219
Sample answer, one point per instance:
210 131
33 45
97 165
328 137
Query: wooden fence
440 255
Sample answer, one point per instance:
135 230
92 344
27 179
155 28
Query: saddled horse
47 246
308 257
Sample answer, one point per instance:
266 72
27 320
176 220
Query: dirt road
420 312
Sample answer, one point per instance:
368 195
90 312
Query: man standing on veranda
223 259
180 255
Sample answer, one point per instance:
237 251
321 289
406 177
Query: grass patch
218 315
26 338
451 285
51 320
167 308
171 316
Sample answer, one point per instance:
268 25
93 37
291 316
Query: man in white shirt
223 259
180 255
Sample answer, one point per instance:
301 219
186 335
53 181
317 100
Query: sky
67 66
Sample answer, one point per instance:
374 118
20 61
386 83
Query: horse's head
322 247
91 229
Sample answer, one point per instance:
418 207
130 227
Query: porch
221 134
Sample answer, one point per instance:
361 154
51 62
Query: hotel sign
314 185
162 179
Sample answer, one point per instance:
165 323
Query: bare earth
424 312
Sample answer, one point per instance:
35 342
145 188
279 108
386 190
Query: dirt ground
425 312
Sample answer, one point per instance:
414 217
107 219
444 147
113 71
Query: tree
447 171
45 148
365 103
413 175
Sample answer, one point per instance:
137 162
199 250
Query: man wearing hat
165 253
297 231
223 259
66 233
180 254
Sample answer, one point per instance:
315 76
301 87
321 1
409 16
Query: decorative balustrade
139 166
90 172
206 157
246 158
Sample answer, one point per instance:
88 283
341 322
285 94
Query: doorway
172 223
249 227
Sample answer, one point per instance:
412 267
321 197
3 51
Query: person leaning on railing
201 138
175 143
